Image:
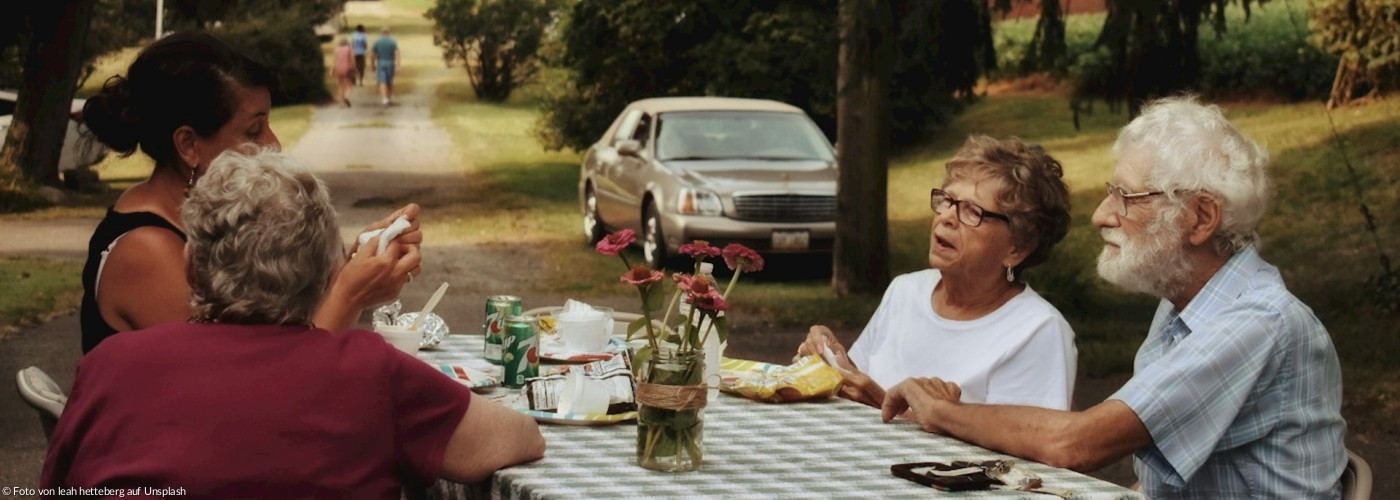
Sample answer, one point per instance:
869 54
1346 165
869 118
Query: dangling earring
189 185
1010 275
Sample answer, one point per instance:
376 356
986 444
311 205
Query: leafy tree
496 41
1047 49
1151 50
206 14
52 54
863 123
1366 33
38 59
283 41
618 51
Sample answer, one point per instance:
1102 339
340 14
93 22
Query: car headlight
698 202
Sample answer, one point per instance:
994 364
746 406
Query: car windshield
720 135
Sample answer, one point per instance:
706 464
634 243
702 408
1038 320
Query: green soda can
520 350
498 308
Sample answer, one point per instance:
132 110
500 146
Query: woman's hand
368 278
411 236
857 386
819 341
860 388
371 278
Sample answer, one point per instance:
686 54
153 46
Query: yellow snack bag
547 324
808 378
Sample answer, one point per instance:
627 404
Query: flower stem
646 313
666 320
732 280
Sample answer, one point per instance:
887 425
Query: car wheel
653 242
592 224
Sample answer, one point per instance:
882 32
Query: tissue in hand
386 234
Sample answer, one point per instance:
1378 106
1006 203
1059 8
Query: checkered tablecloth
829 449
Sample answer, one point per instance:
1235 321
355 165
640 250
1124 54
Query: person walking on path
344 69
359 42
385 57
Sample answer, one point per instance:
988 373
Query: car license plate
790 240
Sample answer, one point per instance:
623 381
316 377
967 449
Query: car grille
784 207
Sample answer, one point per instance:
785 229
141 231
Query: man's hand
922 396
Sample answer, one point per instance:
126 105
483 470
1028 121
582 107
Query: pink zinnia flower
699 286
614 243
641 275
709 302
682 280
699 249
741 258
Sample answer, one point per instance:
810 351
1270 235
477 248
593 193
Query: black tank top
115 224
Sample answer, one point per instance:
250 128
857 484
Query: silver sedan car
724 170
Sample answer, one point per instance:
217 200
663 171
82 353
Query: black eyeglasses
1123 196
968 212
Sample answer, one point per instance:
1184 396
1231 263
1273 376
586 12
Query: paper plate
573 419
470 377
518 402
553 351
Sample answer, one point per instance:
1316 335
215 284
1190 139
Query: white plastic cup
583 395
402 337
584 331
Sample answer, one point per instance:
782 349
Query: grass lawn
37 289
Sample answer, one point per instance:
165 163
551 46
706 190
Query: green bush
1266 53
1366 35
287 45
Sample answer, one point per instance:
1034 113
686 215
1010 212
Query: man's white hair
1193 148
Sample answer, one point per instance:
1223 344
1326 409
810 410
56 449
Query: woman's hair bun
112 118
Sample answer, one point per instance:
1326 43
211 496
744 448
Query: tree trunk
860 256
52 62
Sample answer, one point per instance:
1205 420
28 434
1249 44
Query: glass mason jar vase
671 398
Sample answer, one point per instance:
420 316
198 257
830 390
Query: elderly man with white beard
1236 392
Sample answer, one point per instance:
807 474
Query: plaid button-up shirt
1241 391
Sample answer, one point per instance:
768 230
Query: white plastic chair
1356 479
43 394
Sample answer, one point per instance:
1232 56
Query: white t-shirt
1022 353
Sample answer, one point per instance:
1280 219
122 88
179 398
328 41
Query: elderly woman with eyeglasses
249 399
972 319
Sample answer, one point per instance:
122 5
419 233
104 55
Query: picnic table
833 448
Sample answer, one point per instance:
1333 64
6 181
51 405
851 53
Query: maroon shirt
237 411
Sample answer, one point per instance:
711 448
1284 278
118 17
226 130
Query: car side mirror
629 147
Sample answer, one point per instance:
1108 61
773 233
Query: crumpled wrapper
434 327
808 378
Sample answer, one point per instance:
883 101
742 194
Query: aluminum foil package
387 314
433 327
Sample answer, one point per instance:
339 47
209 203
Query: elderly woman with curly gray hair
250 399
972 318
